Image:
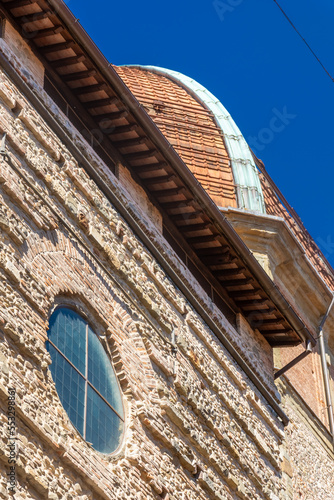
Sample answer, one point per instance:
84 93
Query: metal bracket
292 363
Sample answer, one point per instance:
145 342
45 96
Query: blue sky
246 53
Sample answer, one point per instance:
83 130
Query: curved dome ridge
245 174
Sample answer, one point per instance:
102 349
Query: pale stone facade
195 425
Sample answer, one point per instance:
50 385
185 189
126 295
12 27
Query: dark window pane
101 373
67 331
70 387
104 428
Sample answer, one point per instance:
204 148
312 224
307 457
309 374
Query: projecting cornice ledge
285 261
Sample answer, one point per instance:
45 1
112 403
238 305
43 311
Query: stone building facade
129 196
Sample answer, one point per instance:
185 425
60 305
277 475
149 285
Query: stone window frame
97 330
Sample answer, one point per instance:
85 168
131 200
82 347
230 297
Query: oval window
85 380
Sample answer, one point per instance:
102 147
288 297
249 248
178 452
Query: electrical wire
301 36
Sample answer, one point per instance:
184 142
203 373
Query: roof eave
164 146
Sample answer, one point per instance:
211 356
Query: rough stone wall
173 435
195 426
308 458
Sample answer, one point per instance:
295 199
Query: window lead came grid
85 380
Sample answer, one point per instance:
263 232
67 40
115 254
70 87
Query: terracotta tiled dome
201 131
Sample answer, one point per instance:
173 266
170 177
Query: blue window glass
70 387
67 331
101 374
85 380
110 424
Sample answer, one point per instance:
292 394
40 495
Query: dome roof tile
189 127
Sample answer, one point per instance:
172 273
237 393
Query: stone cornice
284 259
